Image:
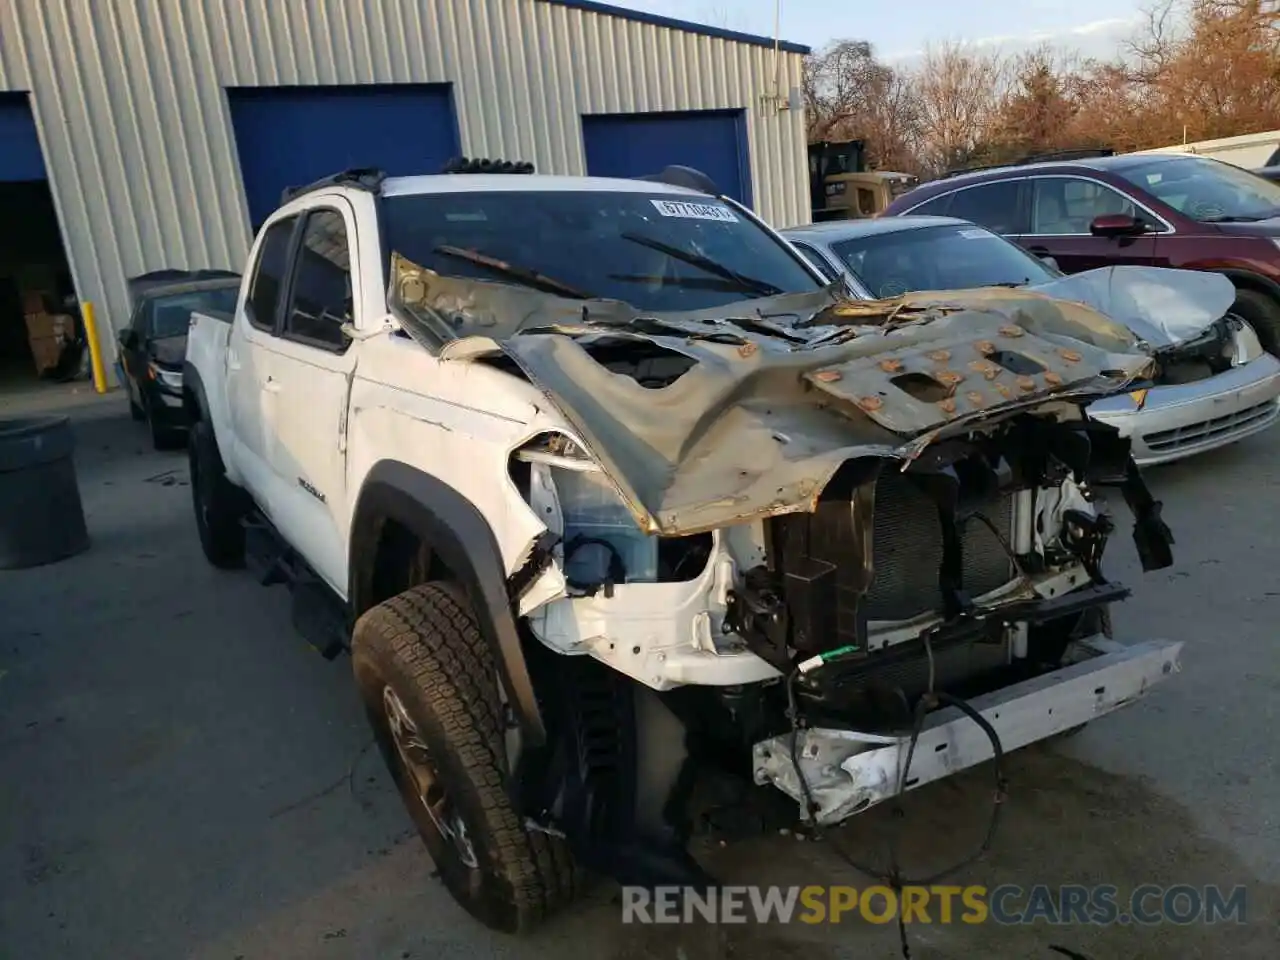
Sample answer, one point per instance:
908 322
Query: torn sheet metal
1161 306
777 396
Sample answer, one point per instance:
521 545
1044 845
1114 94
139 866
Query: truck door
250 384
312 363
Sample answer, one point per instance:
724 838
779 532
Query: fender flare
194 385
459 534
1248 278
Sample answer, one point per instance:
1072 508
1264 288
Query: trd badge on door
311 490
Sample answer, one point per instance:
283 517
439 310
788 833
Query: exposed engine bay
797 529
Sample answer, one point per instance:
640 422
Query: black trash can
41 516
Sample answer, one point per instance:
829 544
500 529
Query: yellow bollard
95 348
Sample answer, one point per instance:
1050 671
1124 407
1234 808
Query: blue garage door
20 156
636 144
289 136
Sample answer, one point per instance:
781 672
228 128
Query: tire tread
430 632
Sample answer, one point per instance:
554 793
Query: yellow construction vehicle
841 187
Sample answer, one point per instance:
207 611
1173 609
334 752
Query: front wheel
218 503
428 682
162 437
1263 314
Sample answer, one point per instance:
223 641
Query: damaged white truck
608 494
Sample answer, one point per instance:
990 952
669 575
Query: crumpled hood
1162 307
779 392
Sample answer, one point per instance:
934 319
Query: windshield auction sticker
695 211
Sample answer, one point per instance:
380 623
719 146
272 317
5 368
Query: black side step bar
317 613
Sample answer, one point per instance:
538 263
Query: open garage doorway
38 317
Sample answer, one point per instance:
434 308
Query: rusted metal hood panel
759 429
782 391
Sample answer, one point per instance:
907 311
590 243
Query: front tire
162 437
218 503
429 686
1263 314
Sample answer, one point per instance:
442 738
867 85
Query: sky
900 31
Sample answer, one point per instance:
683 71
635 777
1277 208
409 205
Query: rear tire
429 686
219 504
162 437
1263 314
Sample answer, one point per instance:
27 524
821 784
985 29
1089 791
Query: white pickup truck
606 492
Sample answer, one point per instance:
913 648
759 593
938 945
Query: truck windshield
938 258
659 252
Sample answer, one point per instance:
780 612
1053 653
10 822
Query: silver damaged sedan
1216 384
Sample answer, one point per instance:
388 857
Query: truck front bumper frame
848 771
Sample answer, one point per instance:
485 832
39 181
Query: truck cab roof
497 182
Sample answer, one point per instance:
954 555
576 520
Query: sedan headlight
1247 345
169 379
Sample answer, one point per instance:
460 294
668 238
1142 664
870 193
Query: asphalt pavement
182 777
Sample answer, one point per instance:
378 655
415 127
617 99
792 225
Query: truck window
273 259
321 300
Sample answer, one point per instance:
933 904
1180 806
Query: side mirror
1116 225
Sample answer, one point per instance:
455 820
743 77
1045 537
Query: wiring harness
892 875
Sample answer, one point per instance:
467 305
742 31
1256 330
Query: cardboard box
45 351
47 333
41 325
34 301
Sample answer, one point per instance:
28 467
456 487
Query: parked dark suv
1149 209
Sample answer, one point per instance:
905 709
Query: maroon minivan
1165 210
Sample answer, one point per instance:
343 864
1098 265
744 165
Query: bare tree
1209 68
1206 68
849 94
837 82
1036 111
1153 46
958 89
892 122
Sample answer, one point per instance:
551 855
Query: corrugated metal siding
128 98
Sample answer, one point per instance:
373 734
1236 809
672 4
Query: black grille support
944 490
880 544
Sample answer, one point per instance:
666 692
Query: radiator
906 555
907 551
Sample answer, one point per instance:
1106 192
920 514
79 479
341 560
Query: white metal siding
1249 150
129 102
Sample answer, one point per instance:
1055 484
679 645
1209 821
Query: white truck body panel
300 429
302 417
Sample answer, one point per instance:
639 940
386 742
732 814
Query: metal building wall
128 98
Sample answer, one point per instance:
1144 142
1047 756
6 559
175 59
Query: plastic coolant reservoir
595 517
